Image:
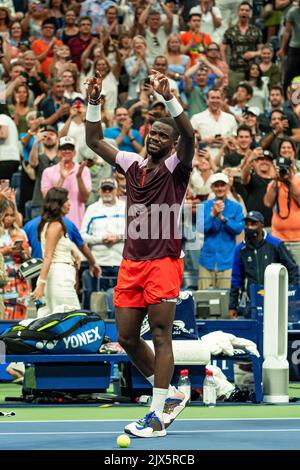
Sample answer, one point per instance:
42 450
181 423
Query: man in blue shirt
127 139
221 220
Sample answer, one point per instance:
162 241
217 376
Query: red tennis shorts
141 283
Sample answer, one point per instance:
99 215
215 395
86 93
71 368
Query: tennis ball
123 440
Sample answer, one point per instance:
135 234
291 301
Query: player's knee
127 343
161 338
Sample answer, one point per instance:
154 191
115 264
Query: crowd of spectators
234 66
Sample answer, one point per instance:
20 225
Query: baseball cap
48 129
109 182
219 177
253 110
78 98
255 216
157 103
66 141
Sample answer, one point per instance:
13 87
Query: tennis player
151 271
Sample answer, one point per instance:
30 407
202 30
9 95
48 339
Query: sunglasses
107 188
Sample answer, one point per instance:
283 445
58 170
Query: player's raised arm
94 134
185 146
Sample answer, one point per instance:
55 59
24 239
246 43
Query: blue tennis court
187 434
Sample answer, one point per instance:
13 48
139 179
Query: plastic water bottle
184 383
209 389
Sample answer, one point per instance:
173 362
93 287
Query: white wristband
174 107
41 281
93 113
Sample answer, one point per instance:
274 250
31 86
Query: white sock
171 391
159 397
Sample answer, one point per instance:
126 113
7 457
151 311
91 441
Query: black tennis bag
75 332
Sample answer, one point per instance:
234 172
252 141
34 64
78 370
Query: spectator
252 256
177 62
242 97
194 41
55 108
44 47
110 82
222 221
42 156
69 29
79 43
27 172
19 108
15 249
228 10
137 66
213 59
211 18
127 139
62 61
58 274
161 65
35 80
260 90
251 120
244 41
280 128
243 142
201 176
9 149
103 228
74 126
71 89
71 176
257 172
213 124
33 20
196 89
268 68
283 196
277 102
291 32
16 75
56 13
156 33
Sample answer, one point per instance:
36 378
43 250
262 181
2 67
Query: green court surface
115 412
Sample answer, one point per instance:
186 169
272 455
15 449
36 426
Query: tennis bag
75 332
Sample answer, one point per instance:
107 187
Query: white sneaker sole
145 432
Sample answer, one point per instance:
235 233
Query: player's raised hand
161 84
94 86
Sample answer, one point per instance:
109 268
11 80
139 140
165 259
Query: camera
202 146
283 165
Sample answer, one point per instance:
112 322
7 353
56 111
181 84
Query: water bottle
184 383
209 389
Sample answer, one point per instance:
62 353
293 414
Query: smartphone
18 243
40 114
147 81
201 146
217 136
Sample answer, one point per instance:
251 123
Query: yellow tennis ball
123 440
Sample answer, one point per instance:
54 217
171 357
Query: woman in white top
58 274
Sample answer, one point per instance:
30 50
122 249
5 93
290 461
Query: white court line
170 432
135 419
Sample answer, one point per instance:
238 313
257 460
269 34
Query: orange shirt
39 46
288 227
199 44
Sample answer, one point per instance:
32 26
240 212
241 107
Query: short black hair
246 87
48 21
278 88
195 14
244 128
170 122
245 3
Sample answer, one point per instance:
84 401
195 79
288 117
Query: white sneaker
149 426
